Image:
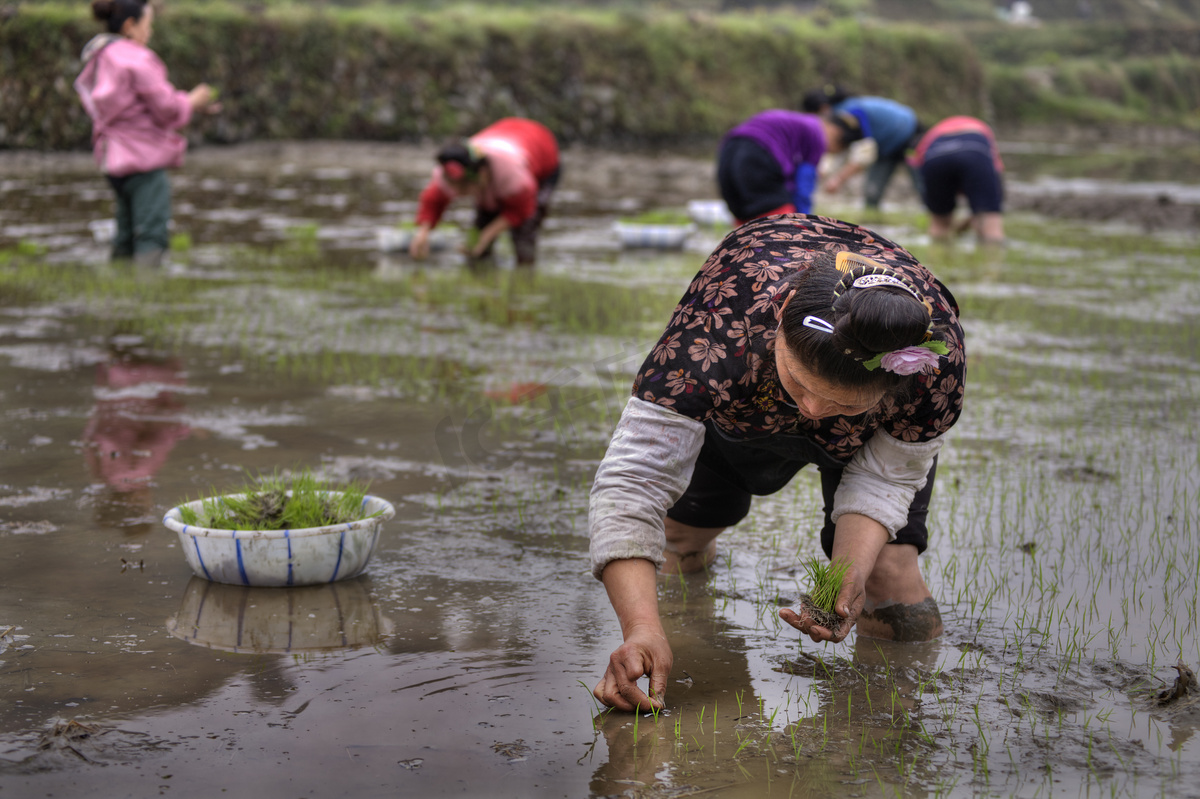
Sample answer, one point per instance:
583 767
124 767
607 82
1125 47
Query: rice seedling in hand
826 583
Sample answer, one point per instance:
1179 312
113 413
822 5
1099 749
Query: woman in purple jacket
767 164
135 114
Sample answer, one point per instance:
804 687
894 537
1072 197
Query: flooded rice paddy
1065 549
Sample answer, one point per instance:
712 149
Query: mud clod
65 735
806 665
1186 688
825 618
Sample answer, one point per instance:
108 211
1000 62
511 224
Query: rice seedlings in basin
274 503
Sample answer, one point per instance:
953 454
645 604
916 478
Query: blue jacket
889 123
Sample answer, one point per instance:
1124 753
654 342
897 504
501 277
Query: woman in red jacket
510 170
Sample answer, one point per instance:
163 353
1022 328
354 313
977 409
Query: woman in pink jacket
958 157
135 113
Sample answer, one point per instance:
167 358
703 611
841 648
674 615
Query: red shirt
520 154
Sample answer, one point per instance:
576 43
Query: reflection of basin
393 239
318 618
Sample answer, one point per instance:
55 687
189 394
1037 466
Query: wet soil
260 193
480 404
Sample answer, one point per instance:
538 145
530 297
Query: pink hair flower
910 360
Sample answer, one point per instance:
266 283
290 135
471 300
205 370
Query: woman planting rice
510 169
801 340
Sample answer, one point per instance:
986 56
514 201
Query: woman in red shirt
510 170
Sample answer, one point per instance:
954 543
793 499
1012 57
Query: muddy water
1065 521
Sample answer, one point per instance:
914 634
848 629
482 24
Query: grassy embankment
599 76
607 75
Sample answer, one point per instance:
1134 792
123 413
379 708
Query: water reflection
705 701
308 619
805 727
135 423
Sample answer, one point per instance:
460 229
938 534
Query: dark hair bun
114 13
103 9
829 94
881 319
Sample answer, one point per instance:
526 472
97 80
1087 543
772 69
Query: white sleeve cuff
863 152
647 468
882 478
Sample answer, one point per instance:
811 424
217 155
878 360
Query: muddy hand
643 653
805 624
849 605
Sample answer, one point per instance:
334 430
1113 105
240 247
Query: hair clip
874 281
818 324
860 272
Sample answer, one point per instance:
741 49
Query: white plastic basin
281 557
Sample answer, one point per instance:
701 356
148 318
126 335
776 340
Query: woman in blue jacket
889 130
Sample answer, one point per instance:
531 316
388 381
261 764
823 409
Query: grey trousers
143 210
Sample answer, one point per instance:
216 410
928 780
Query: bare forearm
490 233
632 587
848 171
859 539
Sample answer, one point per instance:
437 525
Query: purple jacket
135 110
793 138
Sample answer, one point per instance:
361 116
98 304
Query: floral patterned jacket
715 361
713 373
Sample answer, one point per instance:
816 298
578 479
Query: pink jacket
135 110
951 126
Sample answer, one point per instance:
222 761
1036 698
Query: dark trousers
143 214
525 235
750 179
880 173
729 473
